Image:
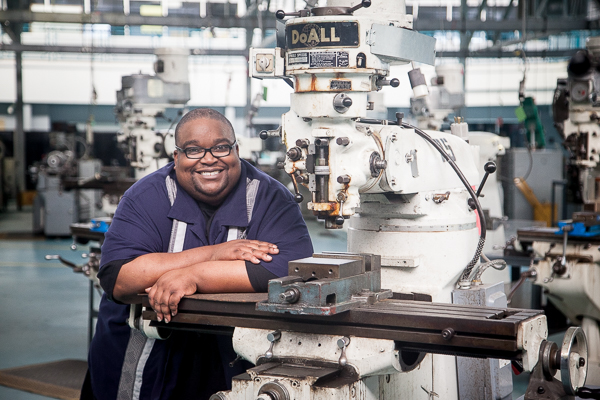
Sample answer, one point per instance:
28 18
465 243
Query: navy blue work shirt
142 224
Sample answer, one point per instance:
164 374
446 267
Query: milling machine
349 325
142 99
55 207
567 257
407 195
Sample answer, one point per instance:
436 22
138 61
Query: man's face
208 179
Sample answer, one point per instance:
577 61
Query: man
209 223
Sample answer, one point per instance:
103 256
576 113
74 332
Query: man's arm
206 277
145 270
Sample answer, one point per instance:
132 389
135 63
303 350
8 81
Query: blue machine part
579 229
100 224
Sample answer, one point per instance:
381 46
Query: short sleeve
277 219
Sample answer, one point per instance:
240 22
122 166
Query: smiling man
206 223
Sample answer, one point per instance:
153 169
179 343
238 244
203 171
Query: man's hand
165 294
254 251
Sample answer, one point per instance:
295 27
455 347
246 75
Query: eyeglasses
218 151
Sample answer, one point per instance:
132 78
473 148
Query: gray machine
541 168
142 99
55 208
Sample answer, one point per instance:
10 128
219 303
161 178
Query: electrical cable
469 268
496 264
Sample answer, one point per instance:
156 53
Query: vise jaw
327 284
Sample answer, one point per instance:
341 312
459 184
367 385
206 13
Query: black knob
342 141
321 142
302 143
588 393
280 14
490 167
448 333
339 220
541 390
395 82
559 269
295 153
263 135
399 117
579 64
347 102
366 3
471 203
299 198
343 179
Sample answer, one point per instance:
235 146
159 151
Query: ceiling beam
114 19
484 53
114 50
499 53
549 24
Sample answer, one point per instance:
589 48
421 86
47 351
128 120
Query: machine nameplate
298 58
340 85
321 59
322 34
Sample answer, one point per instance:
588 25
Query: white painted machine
446 96
568 269
387 319
406 193
141 100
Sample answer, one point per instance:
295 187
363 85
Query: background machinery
144 98
566 259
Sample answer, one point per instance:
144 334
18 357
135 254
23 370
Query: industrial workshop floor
44 305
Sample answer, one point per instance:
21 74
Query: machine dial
580 91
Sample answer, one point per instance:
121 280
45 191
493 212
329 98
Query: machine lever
341 197
588 393
342 344
490 168
566 230
395 82
280 14
75 267
272 337
363 4
298 196
264 135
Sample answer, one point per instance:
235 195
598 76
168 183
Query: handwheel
573 360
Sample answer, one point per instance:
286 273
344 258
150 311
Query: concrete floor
44 305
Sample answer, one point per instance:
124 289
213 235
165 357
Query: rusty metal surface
480 331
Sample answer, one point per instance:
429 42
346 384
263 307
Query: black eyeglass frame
210 149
